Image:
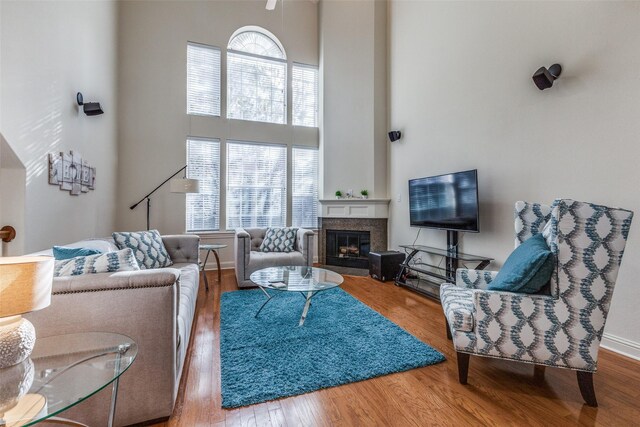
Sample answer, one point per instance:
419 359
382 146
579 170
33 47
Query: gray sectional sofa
155 307
248 259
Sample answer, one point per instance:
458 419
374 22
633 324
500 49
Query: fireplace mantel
354 208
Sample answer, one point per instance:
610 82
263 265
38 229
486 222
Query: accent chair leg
463 366
538 372
446 324
585 382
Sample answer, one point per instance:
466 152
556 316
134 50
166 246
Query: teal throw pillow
279 239
528 269
60 252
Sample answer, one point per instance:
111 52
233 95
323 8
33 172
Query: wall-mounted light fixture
90 108
544 78
395 135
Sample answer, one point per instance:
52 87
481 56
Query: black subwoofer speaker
384 266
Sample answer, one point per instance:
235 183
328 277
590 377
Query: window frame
285 188
219 83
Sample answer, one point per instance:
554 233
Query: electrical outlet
399 198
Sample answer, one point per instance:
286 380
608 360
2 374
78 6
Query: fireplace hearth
348 248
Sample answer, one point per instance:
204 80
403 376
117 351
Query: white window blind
256 185
304 192
256 88
304 84
203 80
203 164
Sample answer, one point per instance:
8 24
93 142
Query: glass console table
63 371
426 277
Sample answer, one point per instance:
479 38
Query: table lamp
25 285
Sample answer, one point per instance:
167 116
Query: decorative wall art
71 173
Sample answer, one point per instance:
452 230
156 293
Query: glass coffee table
63 371
309 281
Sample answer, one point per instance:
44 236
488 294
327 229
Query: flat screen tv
447 202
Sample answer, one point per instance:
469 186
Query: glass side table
211 248
63 371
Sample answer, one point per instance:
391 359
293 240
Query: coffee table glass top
62 371
296 278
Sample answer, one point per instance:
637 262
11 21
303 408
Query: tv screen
448 202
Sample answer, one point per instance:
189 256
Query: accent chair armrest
242 243
474 279
304 244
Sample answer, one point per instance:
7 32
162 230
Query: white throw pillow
109 262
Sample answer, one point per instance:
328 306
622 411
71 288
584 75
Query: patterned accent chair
561 329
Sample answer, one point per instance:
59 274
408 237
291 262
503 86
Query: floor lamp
178 185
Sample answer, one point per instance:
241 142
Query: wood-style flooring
498 393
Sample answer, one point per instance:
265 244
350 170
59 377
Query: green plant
338 193
364 193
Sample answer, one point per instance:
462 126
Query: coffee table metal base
305 310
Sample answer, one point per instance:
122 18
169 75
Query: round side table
211 248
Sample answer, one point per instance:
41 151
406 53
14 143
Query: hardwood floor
498 392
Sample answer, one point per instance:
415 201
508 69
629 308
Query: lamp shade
25 284
185 185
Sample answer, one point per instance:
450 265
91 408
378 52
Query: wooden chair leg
538 372
446 322
585 382
463 366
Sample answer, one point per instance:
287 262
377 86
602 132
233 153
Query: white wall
153 124
50 51
353 86
461 89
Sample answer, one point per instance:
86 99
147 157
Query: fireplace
348 248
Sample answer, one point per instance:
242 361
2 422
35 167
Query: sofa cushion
528 268
147 246
279 239
110 262
61 253
457 303
189 279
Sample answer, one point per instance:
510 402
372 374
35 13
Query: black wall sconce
544 78
90 108
395 135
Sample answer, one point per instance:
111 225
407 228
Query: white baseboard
621 345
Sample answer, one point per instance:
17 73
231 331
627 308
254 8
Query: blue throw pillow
528 269
60 252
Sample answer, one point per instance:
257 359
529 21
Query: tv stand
424 277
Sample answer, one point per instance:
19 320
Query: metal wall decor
71 173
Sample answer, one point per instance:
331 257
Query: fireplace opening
348 248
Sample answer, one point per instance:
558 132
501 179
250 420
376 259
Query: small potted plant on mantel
338 194
364 194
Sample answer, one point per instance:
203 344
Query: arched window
256 77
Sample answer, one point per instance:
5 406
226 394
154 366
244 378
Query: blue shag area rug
342 341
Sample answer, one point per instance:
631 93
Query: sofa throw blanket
109 262
278 239
147 247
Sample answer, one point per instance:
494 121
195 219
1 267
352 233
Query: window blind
304 84
304 183
203 80
256 88
256 185
203 164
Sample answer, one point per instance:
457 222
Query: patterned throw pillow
101 263
61 252
279 240
147 247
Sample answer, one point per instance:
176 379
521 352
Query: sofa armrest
153 278
242 244
304 244
182 247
